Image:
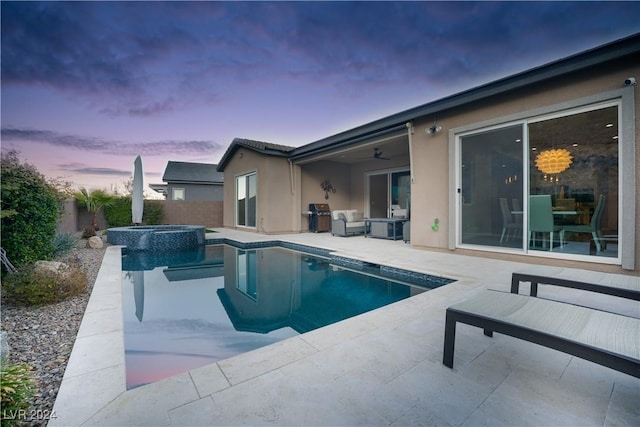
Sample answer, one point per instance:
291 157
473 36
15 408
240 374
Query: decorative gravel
42 337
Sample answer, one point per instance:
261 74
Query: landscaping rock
95 242
51 266
4 345
42 337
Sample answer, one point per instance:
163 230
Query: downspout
409 135
293 183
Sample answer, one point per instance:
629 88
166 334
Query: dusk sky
87 86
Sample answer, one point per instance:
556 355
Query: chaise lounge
609 339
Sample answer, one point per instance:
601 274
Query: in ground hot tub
157 238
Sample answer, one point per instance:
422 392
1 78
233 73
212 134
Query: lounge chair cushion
603 330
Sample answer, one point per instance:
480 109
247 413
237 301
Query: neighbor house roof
619 49
197 173
259 146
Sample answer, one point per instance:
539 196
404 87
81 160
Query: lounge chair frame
606 358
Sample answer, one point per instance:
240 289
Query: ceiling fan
377 154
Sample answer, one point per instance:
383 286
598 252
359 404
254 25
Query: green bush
34 287
17 386
64 242
118 213
153 212
31 208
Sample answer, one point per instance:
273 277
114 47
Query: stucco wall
315 173
278 199
430 192
68 222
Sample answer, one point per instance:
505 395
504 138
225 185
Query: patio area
380 368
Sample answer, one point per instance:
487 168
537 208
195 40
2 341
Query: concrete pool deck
380 368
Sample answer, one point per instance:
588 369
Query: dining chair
594 226
508 223
541 219
515 204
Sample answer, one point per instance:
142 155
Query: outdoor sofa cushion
347 222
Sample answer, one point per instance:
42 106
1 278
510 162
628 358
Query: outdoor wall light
433 129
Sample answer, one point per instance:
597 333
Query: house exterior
465 166
193 181
193 192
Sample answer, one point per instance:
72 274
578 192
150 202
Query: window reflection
584 194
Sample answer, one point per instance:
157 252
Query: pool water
188 309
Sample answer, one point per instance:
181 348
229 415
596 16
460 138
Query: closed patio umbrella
138 292
137 198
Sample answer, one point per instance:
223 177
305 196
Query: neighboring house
159 188
466 167
193 192
193 181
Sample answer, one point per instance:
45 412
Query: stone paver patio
380 368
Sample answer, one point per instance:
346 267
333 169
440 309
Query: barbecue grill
319 217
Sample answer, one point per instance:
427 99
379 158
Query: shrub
153 212
118 213
32 286
63 243
17 386
31 208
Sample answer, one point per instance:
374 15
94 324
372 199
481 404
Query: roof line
585 59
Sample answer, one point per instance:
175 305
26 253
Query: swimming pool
196 307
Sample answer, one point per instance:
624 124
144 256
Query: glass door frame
388 172
246 177
455 238
458 188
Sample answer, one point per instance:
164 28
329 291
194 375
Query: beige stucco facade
278 194
286 188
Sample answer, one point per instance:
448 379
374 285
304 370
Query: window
544 185
177 194
246 189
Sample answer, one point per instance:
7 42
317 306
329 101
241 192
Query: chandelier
552 162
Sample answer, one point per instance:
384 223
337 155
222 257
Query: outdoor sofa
347 222
609 339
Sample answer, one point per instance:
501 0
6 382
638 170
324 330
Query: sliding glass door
491 188
389 194
573 163
568 201
246 190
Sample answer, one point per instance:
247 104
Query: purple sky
87 86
